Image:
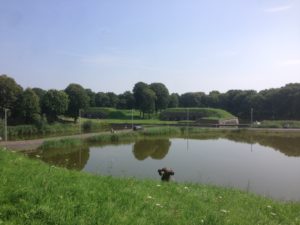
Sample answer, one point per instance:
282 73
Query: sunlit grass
33 192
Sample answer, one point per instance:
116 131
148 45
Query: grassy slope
208 113
279 124
35 193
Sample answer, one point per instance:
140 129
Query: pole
131 119
251 117
5 124
187 130
79 121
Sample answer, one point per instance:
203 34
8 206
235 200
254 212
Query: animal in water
165 173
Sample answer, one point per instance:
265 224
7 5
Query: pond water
269 166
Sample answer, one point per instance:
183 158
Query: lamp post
251 117
79 113
131 119
5 123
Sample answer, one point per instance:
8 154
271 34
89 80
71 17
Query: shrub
87 126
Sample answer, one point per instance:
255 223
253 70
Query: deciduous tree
54 103
78 100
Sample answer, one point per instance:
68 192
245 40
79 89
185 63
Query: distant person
165 173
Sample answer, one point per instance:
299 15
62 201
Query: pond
266 165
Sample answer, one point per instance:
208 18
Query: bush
87 126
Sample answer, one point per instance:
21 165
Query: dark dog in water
165 173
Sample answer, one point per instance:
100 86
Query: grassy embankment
240 135
209 114
33 192
48 130
114 116
278 124
112 138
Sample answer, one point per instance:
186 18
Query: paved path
26 145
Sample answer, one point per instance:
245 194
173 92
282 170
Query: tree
54 103
192 99
138 90
78 100
92 96
102 100
113 99
40 93
10 91
148 98
126 100
29 108
213 99
173 100
162 96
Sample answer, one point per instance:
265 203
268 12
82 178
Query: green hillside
195 114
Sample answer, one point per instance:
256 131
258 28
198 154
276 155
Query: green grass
279 124
55 129
33 192
112 113
129 121
62 143
110 137
158 131
204 113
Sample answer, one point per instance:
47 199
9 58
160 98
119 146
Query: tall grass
62 143
35 193
111 137
158 131
278 124
55 129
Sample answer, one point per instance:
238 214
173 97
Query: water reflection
288 145
154 148
75 158
224 159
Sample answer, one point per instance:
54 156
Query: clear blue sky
189 45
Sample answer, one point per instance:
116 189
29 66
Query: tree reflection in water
156 148
73 158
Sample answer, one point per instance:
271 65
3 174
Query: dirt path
34 144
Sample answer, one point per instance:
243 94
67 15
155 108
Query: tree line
35 105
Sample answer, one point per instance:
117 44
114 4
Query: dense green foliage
35 193
29 106
173 100
126 100
10 91
78 99
271 104
162 96
54 103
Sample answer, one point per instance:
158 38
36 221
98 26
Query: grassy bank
278 124
21 132
240 135
111 137
35 193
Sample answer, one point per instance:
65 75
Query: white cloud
291 62
278 8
